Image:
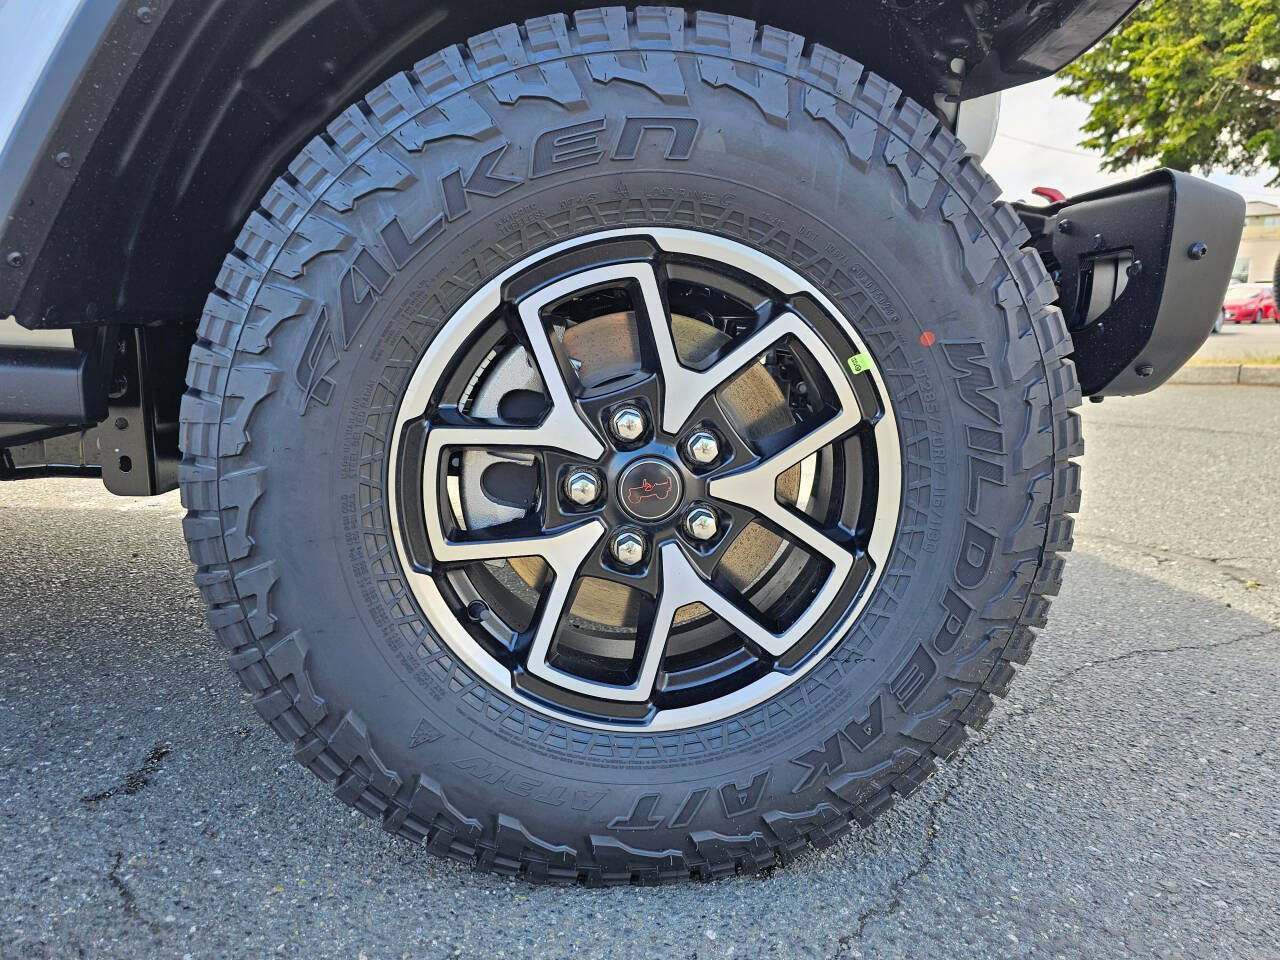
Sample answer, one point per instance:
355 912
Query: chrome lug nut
582 487
703 448
628 423
700 523
627 548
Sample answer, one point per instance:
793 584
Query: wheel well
225 95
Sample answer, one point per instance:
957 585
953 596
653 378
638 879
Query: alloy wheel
644 479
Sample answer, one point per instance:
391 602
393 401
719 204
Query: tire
357 264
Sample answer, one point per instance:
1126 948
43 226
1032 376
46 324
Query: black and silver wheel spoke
754 487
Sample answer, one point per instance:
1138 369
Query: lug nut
627 548
628 423
703 448
582 487
700 523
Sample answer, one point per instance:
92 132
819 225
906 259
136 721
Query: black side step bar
50 385
107 407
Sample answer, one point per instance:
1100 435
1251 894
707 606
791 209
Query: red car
1249 303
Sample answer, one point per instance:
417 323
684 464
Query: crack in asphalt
897 890
135 780
1055 682
127 896
1162 555
122 888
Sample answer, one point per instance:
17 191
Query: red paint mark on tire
927 338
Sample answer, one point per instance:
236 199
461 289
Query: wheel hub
649 489
754 481
602 349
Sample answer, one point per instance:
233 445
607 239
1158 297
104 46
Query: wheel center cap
649 489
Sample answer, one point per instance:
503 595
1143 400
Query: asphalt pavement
1122 802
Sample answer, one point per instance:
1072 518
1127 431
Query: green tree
1188 83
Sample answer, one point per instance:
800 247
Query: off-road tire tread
217 412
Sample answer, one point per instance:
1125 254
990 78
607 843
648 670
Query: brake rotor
602 349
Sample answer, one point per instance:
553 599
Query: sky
1037 144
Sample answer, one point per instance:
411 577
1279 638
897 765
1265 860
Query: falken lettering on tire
420 195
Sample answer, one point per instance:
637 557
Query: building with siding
1259 256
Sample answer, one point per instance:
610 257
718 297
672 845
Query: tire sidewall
943 341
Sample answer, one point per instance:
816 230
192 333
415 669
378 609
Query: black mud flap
1141 268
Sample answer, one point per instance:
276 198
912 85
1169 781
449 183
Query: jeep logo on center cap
649 489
